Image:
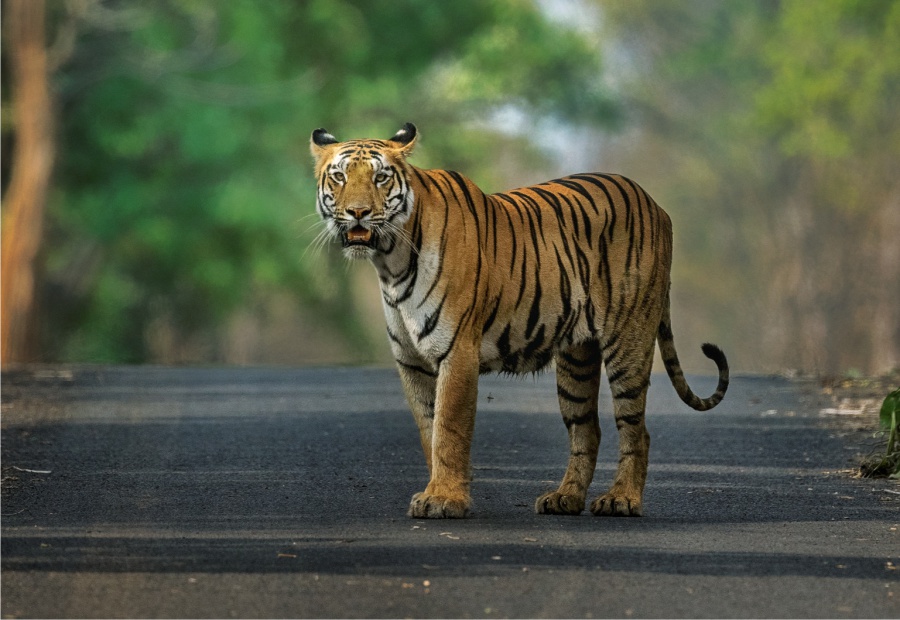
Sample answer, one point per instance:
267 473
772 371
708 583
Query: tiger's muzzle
358 235
357 230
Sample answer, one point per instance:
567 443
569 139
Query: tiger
574 272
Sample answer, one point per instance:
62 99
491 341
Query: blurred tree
773 126
25 197
830 103
184 181
181 207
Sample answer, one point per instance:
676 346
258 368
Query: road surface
161 492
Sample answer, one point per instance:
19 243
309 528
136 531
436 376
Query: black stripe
631 419
575 225
432 321
416 368
563 393
629 222
470 202
643 207
604 273
412 274
392 337
493 315
553 200
535 344
440 269
584 269
585 418
512 237
421 176
535 312
581 377
461 182
574 361
538 226
523 280
578 187
503 346
462 321
589 315
614 376
491 209
565 286
593 180
532 230
630 393
577 209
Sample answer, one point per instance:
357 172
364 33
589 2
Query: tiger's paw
617 505
557 503
428 506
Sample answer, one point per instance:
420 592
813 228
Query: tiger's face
364 195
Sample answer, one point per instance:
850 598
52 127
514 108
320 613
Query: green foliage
183 182
890 411
774 126
833 92
887 463
183 190
834 77
890 421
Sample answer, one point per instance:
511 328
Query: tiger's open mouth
358 235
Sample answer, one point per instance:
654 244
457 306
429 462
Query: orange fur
574 270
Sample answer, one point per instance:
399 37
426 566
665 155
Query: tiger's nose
359 212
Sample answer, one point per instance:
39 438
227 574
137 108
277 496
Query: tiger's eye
339 177
381 177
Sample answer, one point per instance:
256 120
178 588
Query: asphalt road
157 492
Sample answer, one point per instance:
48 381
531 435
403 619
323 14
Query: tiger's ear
319 141
405 139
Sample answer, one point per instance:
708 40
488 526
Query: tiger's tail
673 367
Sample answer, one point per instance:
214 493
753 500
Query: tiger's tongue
358 233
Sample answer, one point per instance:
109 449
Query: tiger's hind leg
577 385
628 366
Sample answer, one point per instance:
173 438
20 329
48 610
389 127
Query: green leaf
890 410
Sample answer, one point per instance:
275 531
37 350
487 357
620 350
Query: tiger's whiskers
402 235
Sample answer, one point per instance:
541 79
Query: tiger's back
581 257
574 270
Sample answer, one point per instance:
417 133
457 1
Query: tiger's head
364 195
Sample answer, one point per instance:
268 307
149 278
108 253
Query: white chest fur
421 320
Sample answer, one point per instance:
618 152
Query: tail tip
715 354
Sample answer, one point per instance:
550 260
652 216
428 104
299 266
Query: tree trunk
32 162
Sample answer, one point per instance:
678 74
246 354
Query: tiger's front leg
420 387
447 493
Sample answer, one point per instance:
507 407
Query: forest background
158 191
